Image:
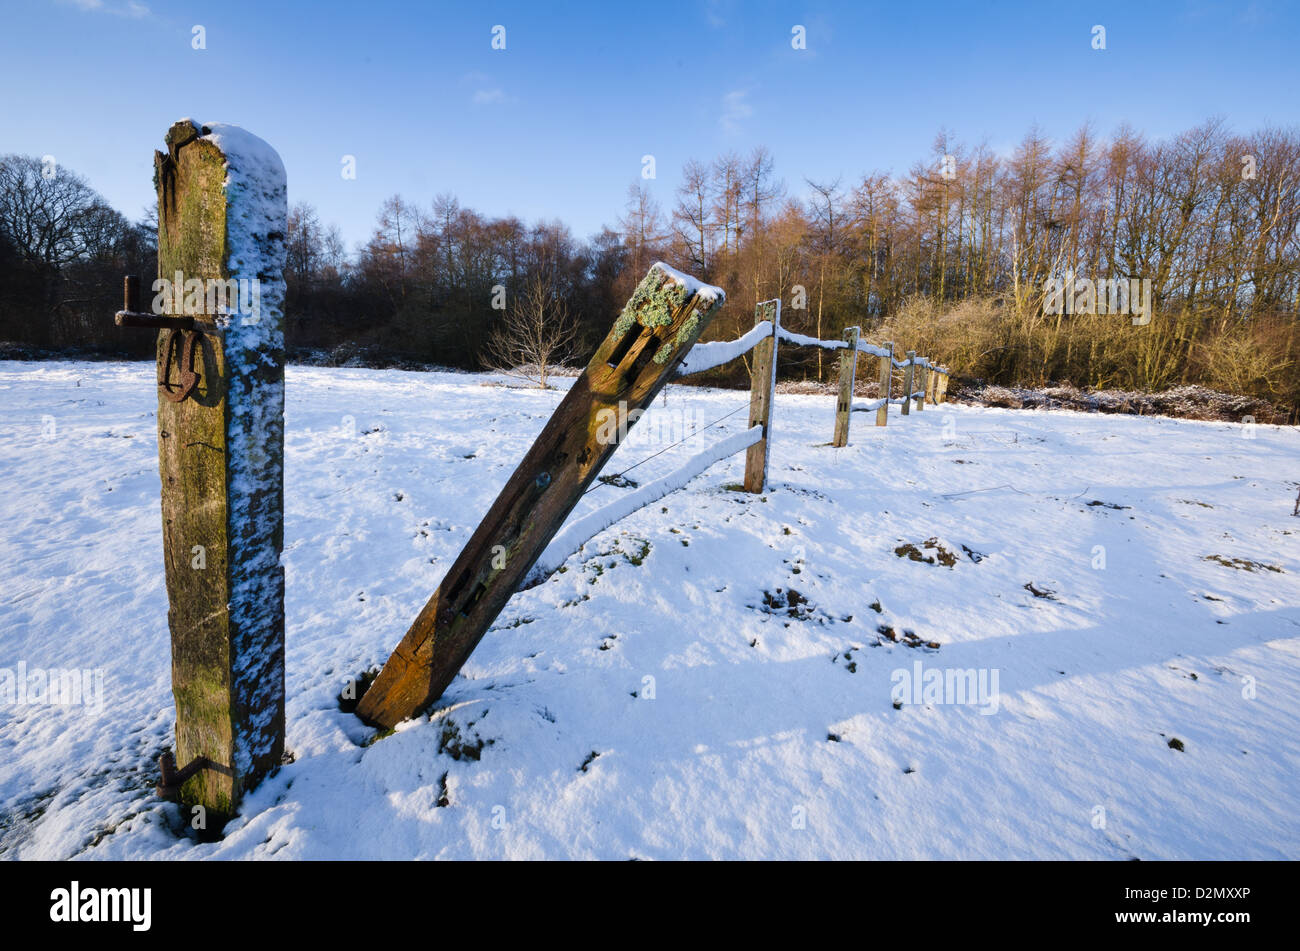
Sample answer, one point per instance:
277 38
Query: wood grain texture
762 392
848 374
885 380
659 325
216 716
907 381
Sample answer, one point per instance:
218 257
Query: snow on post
762 393
222 217
909 367
848 375
661 322
886 381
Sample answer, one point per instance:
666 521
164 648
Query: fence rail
708 356
767 332
654 335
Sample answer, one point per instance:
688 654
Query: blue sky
556 124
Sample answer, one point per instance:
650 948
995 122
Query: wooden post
222 217
661 322
931 384
762 393
941 388
907 380
848 374
886 384
922 385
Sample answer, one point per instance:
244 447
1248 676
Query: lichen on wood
566 457
220 458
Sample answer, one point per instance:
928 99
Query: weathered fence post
931 384
907 380
886 383
924 383
222 216
762 393
848 374
941 388
666 315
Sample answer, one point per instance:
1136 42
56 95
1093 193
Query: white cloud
122 8
735 109
486 92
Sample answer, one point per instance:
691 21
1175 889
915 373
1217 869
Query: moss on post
661 322
220 461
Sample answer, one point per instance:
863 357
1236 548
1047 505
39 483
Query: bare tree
692 219
536 335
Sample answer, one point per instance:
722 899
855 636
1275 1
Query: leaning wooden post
886 383
661 322
907 380
222 218
848 373
922 384
762 394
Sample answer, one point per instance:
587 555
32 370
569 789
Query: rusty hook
185 360
173 778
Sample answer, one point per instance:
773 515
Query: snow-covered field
665 695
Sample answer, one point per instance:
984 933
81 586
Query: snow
869 407
864 347
256 226
576 533
706 356
388 473
693 285
803 341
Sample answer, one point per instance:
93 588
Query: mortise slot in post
528 513
474 598
623 347
453 593
645 356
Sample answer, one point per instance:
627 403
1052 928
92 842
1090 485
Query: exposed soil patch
1242 564
787 602
939 554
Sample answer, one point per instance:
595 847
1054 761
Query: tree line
951 258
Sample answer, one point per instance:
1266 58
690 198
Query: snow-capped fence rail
577 533
221 222
523 537
762 341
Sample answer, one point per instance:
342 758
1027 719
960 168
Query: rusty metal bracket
185 359
131 316
173 778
